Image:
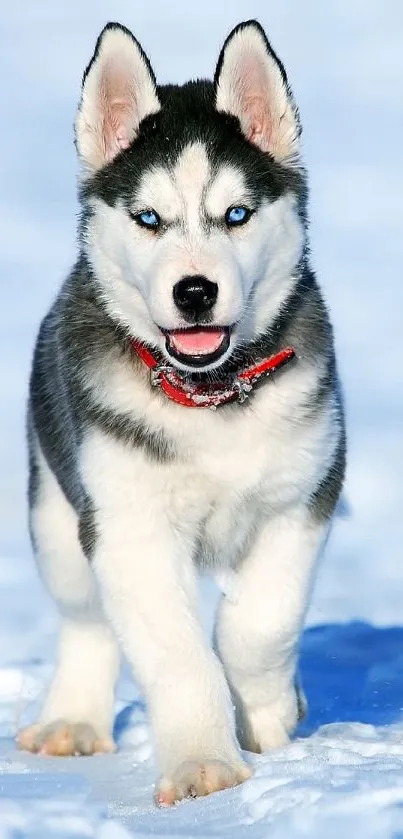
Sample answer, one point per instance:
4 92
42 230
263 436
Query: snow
343 774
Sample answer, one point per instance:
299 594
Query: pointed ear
118 91
251 84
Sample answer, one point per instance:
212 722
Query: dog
185 414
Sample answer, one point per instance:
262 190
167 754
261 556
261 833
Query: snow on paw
197 778
61 738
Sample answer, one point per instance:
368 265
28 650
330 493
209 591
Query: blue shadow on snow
352 673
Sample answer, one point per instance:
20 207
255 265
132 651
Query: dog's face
193 196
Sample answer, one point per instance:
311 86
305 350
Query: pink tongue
197 342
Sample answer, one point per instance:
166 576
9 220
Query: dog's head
193 196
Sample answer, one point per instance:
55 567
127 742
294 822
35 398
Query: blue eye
148 218
237 215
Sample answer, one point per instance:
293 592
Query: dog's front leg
143 561
259 625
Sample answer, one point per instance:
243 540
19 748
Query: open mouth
198 346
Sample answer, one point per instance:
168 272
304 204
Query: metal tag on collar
243 389
156 372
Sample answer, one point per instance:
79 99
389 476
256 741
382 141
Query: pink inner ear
118 108
254 95
258 122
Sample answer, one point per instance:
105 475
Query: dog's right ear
118 91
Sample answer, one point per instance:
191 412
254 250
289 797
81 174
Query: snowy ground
343 775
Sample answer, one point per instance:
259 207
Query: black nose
195 295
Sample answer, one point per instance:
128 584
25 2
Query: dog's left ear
251 84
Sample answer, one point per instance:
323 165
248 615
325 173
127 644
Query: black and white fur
130 494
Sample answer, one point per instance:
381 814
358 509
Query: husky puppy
184 414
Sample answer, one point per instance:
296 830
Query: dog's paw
196 778
269 727
263 735
62 738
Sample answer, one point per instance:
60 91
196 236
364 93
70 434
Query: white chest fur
234 466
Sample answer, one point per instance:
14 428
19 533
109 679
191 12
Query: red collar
208 395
